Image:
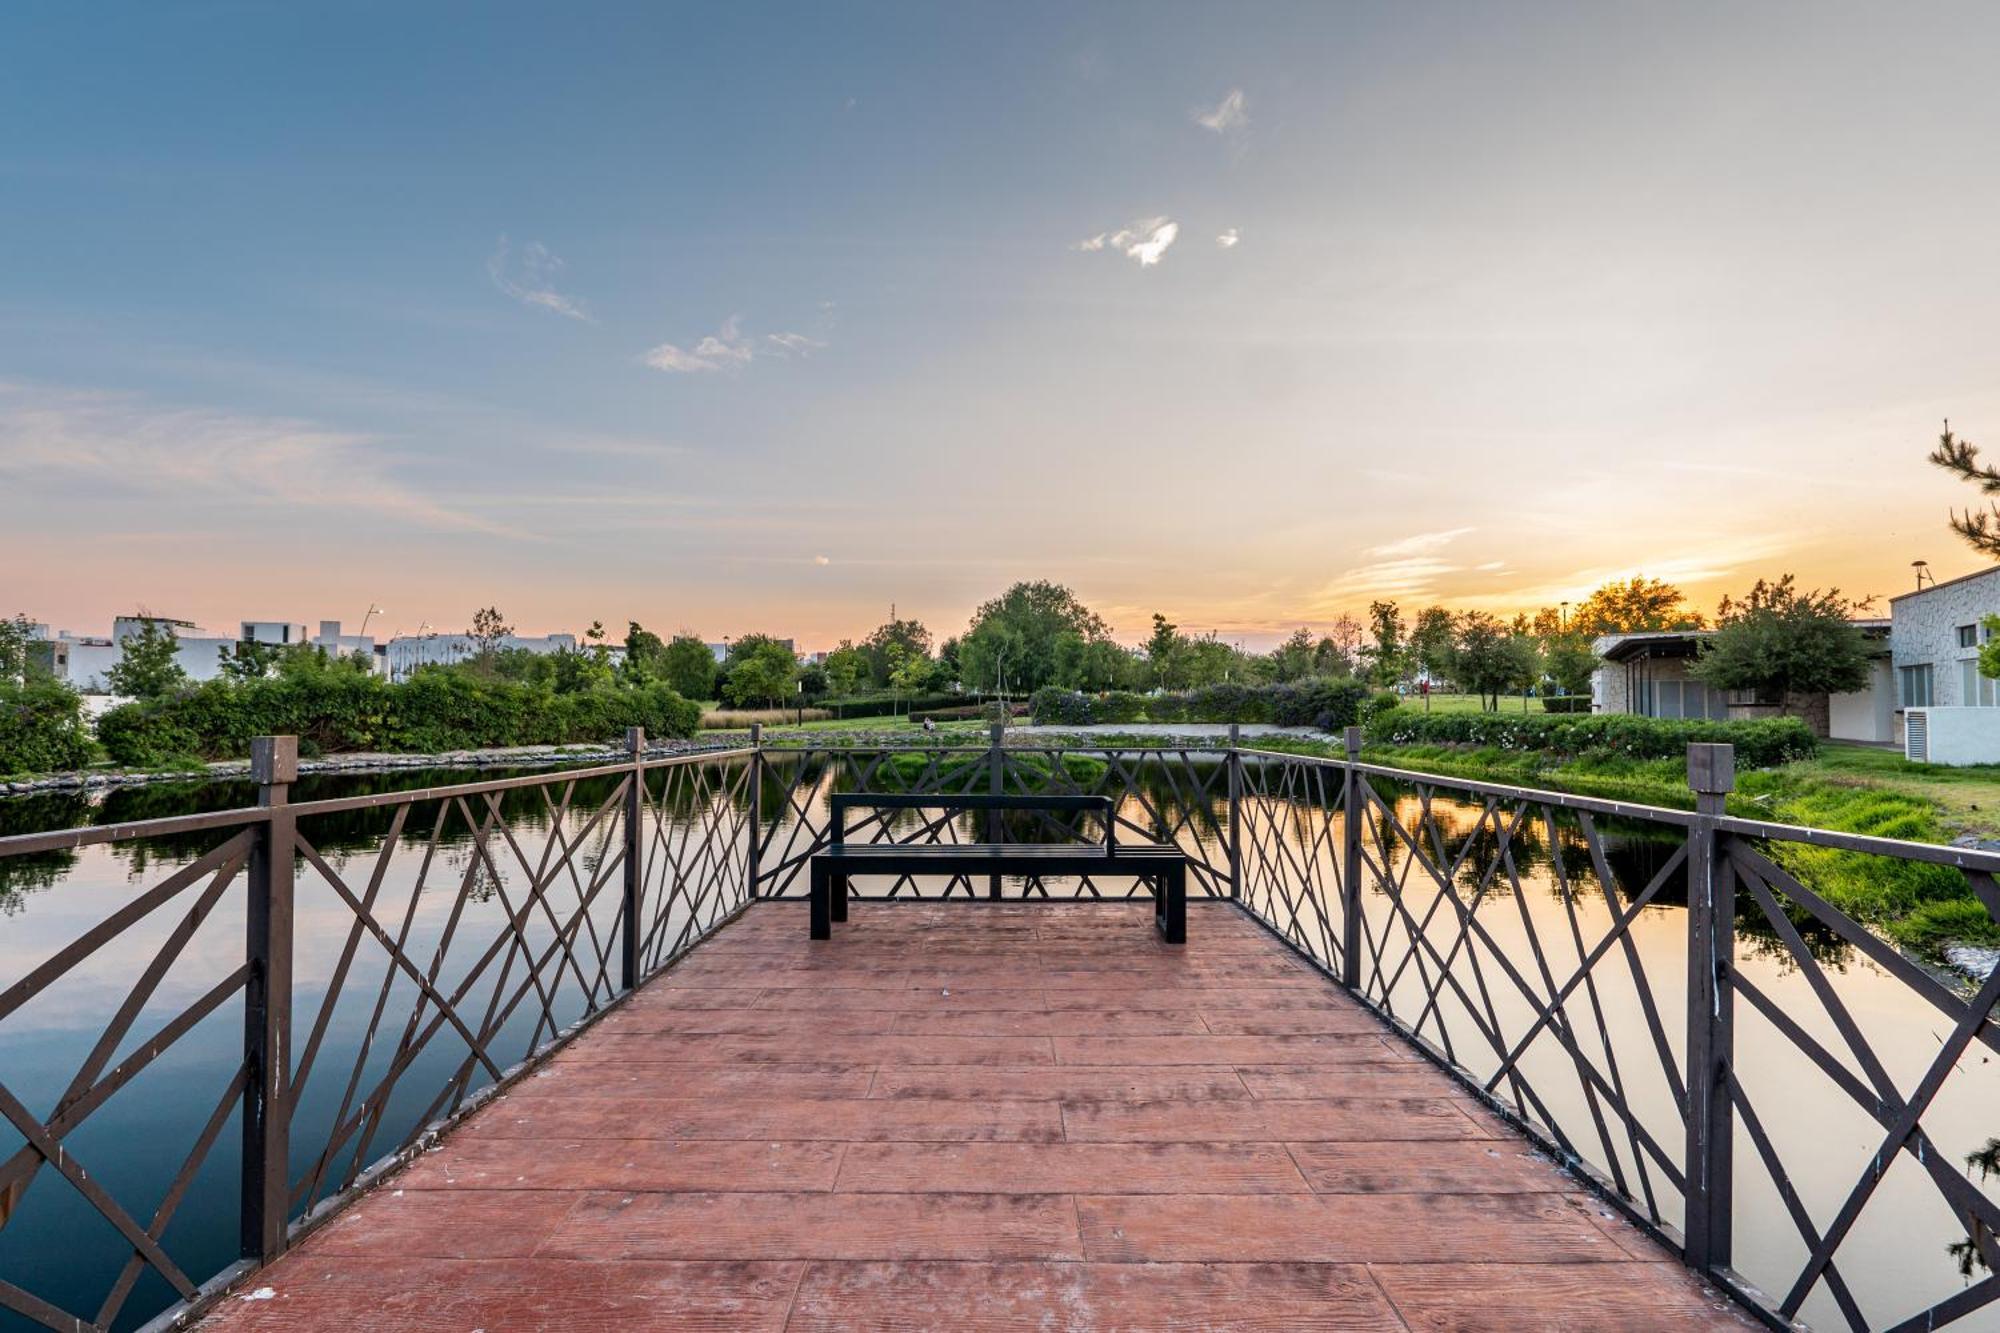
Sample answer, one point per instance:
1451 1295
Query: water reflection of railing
1651 993
1578 962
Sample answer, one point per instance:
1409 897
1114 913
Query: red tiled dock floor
982 1117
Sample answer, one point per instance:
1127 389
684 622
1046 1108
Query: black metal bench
1163 868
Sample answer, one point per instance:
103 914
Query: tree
1329 660
1568 662
1490 658
812 682
148 665
846 668
17 658
1431 642
489 629
1165 654
761 671
1981 531
909 635
1385 656
250 660
1293 659
1636 606
1011 643
1210 661
688 666
1780 641
1093 665
909 671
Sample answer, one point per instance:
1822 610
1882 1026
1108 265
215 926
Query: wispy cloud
1231 114
1145 241
1229 238
729 348
528 275
1420 543
792 344
74 444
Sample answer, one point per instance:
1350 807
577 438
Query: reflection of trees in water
1970 1254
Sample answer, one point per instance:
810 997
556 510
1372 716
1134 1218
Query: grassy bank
1847 788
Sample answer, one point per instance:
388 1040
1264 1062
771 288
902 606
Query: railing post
756 803
1711 1126
1351 822
1235 812
267 1003
995 770
635 855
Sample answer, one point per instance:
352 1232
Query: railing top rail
1962 858
57 840
1506 791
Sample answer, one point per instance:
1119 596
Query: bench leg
1173 905
822 902
839 896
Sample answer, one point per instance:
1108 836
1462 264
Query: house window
1968 636
1913 685
1975 690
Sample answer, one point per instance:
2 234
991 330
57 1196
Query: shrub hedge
887 705
42 728
339 711
1326 704
1760 744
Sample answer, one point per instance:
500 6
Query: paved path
981 1117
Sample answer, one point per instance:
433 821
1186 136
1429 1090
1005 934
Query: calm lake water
135 1144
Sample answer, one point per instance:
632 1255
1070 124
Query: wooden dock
970 1116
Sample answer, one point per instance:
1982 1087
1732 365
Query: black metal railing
1607 975
449 956
1652 994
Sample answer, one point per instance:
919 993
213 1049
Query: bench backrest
842 802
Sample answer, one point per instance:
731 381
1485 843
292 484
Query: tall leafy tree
1386 653
1166 650
1293 659
1011 643
760 670
908 635
1432 639
148 665
846 669
1490 658
687 664
1634 606
1781 641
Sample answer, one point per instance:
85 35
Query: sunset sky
756 318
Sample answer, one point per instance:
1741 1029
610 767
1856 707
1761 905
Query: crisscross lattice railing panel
1905 1073
1521 942
479 928
131 1033
436 941
1177 796
1290 835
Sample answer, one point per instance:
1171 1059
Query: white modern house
85 661
1946 711
1647 674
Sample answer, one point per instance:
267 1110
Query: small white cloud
821 560
792 344
728 348
529 277
1228 239
1418 543
1145 240
1231 114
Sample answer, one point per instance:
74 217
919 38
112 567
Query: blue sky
765 317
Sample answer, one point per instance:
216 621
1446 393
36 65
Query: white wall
1924 630
1868 714
1960 736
